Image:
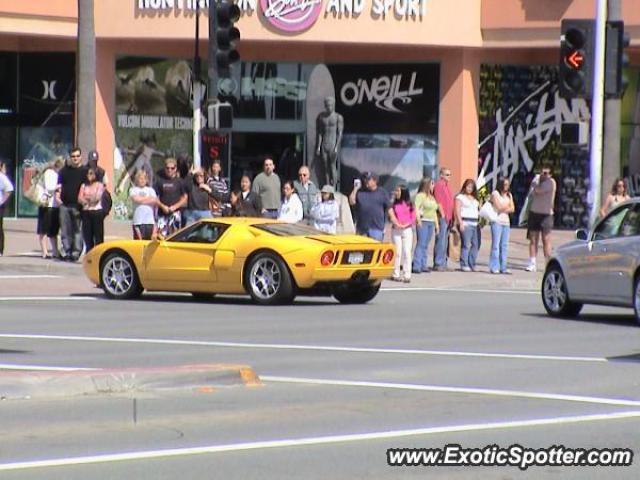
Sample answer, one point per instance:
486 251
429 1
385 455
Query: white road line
465 390
16 277
296 442
43 368
46 299
203 343
458 290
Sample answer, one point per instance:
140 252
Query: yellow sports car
270 260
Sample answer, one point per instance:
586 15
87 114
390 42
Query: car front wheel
636 300
555 295
268 280
119 278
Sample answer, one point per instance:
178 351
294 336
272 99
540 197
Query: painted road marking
14 277
46 299
43 368
325 440
458 290
272 346
465 390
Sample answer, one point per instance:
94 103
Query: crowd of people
72 205
437 213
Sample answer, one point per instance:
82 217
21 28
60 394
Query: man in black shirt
70 179
172 197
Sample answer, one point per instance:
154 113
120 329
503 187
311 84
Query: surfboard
319 87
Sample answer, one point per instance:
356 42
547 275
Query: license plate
355 258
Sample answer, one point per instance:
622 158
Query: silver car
601 266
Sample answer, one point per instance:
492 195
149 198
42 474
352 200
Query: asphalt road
341 385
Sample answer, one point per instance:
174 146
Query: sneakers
466 269
531 268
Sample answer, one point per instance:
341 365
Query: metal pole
213 47
597 112
196 95
611 162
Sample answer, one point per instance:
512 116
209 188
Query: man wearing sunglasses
172 198
540 221
70 179
307 191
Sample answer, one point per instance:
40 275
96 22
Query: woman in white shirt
291 209
48 225
466 214
325 213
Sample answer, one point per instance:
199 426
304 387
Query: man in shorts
543 196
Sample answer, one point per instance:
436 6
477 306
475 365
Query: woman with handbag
502 202
466 216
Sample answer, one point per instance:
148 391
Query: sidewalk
21 255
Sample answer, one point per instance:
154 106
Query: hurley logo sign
389 93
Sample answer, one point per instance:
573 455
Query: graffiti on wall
521 114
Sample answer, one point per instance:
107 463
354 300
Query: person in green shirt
427 224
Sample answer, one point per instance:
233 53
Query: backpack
106 202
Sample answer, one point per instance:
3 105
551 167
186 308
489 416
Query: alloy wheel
265 278
117 276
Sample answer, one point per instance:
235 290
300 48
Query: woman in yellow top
426 222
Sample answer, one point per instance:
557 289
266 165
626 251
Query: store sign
263 87
291 15
386 92
294 16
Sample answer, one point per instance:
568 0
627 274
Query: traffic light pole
213 48
597 113
196 96
612 120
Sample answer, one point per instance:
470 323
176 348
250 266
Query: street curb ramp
204 378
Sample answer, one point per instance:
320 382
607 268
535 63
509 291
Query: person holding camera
540 222
371 206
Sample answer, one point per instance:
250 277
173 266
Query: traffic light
576 58
226 34
616 59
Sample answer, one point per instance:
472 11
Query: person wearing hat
371 207
325 213
92 162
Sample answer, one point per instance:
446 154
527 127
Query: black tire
356 294
268 281
203 296
119 278
636 300
555 296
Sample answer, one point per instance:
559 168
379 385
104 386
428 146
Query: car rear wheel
555 295
119 278
268 280
356 294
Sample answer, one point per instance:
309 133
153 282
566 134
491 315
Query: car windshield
289 229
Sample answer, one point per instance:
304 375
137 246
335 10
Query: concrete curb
204 378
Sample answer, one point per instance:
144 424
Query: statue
329 126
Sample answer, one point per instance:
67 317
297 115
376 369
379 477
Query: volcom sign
291 15
385 91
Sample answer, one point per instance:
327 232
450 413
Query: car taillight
326 258
387 257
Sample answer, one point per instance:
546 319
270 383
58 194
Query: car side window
204 232
610 226
631 224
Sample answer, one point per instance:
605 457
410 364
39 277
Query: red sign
575 60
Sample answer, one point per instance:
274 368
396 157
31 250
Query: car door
623 252
605 259
185 261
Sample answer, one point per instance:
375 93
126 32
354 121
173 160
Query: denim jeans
424 232
469 248
71 231
192 216
442 242
270 214
499 245
376 234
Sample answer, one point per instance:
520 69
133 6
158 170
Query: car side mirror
582 234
